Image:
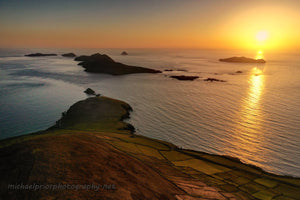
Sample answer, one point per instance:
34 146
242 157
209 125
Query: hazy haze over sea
254 116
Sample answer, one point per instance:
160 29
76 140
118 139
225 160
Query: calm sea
254 115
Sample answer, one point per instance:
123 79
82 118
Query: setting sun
262 36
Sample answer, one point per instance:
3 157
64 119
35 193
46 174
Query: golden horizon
262 25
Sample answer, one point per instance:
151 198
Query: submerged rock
214 79
242 60
71 55
124 53
101 63
179 70
40 54
89 91
185 78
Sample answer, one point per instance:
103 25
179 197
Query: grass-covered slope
89 145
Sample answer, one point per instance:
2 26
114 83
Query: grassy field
92 145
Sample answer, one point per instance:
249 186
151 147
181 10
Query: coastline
180 173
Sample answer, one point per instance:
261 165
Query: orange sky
213 24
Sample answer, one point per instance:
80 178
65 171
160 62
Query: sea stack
89 91
124 53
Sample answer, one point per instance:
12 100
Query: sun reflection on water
259 55
248 136
254 93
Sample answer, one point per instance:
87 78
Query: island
41 54
124 53
91 154
71 55
102 63
185 78
242 60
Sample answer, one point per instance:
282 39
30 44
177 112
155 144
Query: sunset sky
214 24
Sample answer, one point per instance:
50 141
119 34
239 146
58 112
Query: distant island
69 55
242 60
41 54
102 63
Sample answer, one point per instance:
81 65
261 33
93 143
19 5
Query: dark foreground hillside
92 146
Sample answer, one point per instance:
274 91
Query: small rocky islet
89 91
124 53
70 55
185 78
214 80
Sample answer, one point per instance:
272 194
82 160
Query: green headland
91 144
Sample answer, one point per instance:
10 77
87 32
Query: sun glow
261 42
262 36
270 28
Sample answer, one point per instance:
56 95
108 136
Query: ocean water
254 115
